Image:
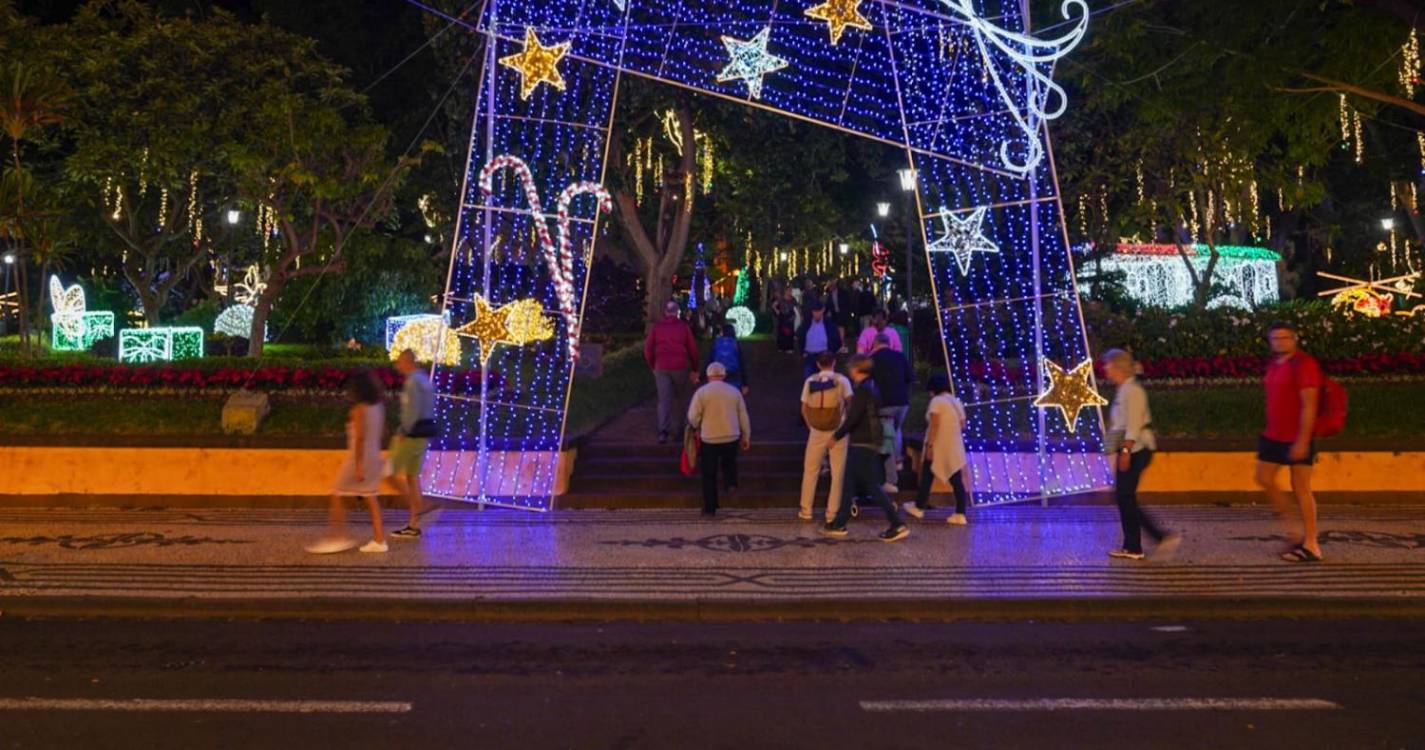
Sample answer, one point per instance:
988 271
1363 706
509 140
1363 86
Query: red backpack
1331 411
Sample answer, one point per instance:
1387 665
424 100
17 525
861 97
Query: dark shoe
663 437
709 513
895 534
831 529
406 532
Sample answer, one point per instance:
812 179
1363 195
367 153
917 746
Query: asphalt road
1290 684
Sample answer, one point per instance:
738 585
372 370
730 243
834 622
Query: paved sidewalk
1010 562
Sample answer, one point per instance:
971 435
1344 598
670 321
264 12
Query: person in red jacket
672 354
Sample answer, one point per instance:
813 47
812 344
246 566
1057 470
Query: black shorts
1276 452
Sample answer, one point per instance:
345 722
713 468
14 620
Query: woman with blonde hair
1131 441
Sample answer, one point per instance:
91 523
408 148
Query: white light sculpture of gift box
75 328
1157 275
143 345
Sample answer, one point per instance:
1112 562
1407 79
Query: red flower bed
179 376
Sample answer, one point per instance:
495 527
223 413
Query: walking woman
1131 440
360 472
943 457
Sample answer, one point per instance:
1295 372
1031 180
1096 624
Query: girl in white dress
943 457
360 472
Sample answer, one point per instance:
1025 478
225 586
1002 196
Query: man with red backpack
1302 404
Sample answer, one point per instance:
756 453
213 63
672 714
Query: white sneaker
890 489
374 546
331 545
957 519
912 510
803 515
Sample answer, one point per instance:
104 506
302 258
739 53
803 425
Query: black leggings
927 478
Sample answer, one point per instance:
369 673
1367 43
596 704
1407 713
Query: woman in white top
1131 440
360 472
943 456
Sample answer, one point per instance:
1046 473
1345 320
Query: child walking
360 472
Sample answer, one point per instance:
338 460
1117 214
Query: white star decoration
963 237
750 61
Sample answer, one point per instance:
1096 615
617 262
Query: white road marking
217 705
1107 704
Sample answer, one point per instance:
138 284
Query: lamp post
908 185
883 209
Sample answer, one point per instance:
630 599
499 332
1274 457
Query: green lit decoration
744 288
141 345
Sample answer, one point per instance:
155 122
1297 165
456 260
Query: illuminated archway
956 84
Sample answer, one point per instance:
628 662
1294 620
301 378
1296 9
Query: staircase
639 475
622 466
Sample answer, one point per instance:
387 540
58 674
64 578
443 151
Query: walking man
893 377
672 354
1293 386
1131 440
817 334
719 414
863 472
824 397
408 445
878 326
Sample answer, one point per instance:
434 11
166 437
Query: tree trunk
261 308
24 308
660 290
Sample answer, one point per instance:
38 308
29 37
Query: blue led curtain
922 78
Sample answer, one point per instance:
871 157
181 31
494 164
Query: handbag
423 428
691 444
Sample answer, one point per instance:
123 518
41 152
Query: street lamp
907 179
844 248
782 256
1388 223
234 216
883 209
9 259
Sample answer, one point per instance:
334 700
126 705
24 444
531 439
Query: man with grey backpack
824 397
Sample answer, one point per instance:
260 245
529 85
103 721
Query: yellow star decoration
839 14
516 324
1070 391
537 63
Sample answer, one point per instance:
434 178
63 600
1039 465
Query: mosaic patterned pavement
1005 553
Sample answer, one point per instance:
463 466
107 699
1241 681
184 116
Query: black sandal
1300 554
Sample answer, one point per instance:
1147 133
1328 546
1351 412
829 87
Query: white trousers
818 445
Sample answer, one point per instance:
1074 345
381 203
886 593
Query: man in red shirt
1293 386
672 354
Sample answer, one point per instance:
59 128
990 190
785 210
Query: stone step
749 463
692 498
614 484
594 450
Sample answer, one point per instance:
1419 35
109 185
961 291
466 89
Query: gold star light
1070 391
516 324
537 63
839 14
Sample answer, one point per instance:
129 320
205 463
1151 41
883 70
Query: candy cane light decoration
558 257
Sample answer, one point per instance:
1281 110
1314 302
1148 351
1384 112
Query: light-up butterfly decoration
75 328
236 321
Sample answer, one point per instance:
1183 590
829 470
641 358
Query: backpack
824 404
1331 411
725 353
1330 407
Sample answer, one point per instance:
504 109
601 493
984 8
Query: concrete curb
719 610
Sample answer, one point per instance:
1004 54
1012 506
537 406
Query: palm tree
30 101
